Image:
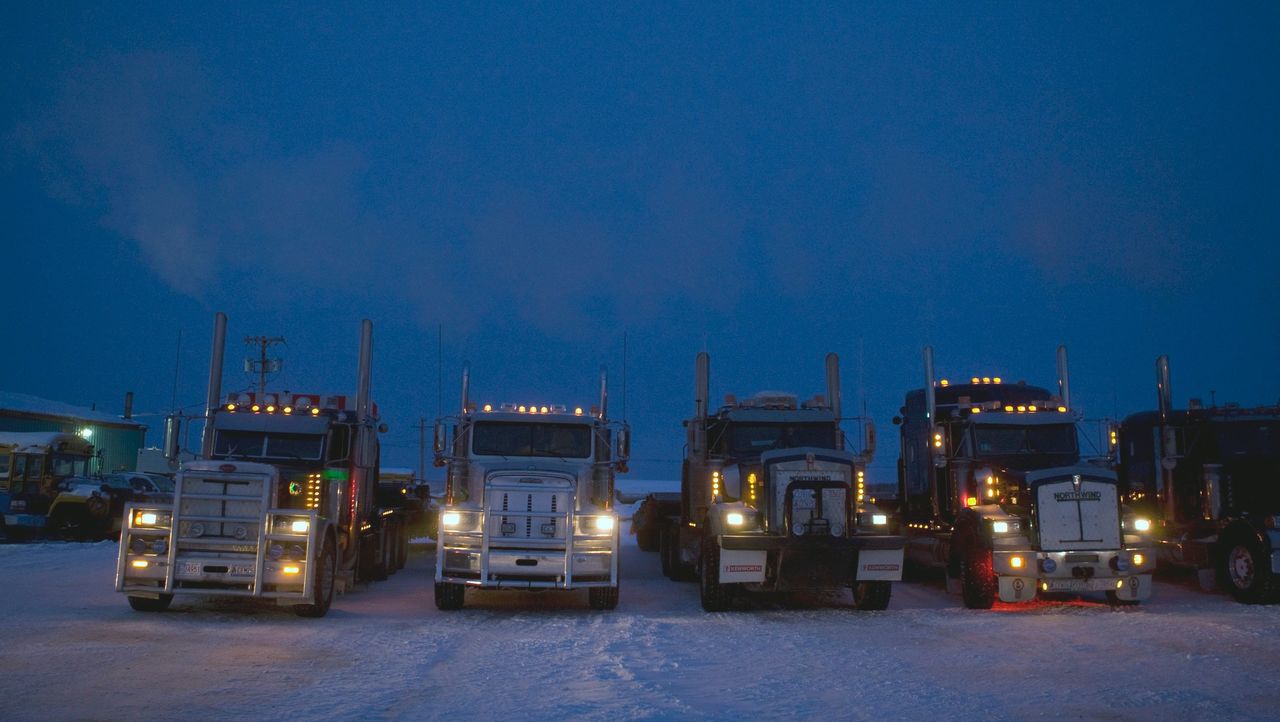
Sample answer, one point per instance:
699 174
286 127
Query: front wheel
1246 569
322 585
602 598
871 596
449 596
147 604
715 596
977 581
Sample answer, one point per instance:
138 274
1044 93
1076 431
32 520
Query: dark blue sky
767 183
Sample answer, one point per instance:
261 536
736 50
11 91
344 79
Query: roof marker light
488 407
577 411
1008 408
944 382
315 410
974 380
995 380
986 379
255 408
1062 409
231 407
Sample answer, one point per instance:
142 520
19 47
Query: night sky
535 181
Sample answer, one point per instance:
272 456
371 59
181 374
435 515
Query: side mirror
172 435
624 443
439 438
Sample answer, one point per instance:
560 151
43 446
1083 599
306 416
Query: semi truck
281 505
993 488
529 499
1209 479
771 501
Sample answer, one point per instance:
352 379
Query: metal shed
115 438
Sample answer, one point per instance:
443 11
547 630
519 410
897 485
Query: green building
116 439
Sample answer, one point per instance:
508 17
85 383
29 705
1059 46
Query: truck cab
771 501
281 505
993 489
1209 478
529 500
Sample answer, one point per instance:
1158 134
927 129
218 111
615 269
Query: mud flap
1017 589
883 565
742 565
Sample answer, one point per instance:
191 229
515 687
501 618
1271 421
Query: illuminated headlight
146 518
1015 562
734 518
879 519
1142 525
604 523
139 564
1138 559
300 526
450 519
1000 527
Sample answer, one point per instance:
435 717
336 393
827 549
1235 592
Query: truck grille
221 511
1078 513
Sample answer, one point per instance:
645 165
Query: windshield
1002 440
1251 439
66 465
567 441
754 439
257 445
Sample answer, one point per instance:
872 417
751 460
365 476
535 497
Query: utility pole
262 365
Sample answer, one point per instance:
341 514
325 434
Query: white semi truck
529 499
281 505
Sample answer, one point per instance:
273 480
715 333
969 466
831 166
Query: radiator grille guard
1077 509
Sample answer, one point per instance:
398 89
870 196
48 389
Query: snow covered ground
70 648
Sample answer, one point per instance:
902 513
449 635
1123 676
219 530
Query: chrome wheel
1240 567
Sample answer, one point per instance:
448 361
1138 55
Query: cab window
35 467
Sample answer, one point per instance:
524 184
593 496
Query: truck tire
664 550
147 604
602 598
1245 571
871 596
675 568
977 580
402 545
715 597
449 596
323 585
645 525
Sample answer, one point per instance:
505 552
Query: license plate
243 570
191 568
1068 585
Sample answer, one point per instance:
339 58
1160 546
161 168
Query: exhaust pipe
1164 394
833 383
466 386
604 393
214 397
365 371
1064 379
701 384
929 400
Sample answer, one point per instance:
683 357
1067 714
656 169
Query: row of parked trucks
285 502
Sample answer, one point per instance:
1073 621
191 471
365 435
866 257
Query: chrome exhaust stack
604 393
466 386
833 383
1164 393
365 372
929 400
214 398
1064 379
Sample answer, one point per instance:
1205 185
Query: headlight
1138 559
450 518
300 526
147 518
879 519
1142 525
604 523
1000 527
734 518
